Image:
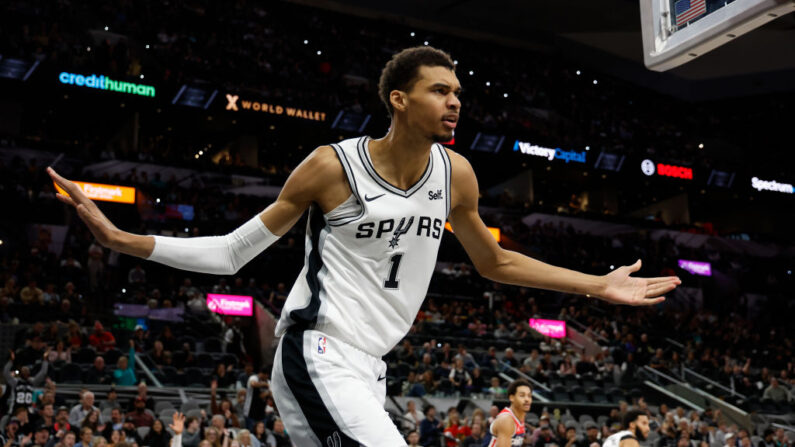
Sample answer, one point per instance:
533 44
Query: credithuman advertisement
105 83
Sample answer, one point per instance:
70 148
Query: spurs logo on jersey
369 261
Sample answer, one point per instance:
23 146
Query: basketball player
636 429
377 210
508 428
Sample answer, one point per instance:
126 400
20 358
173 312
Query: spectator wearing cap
111 401
41 437
143 393
101 339
591 435
140 417
124 374
96 373
81 410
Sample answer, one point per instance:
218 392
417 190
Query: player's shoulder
503 423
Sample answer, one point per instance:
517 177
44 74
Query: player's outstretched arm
505 266
214 254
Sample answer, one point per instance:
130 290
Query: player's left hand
624 289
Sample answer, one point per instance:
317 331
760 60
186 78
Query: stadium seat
142 432
166 413
111 356
71 373
85 355
213 344
162 405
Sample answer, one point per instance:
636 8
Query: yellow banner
106 193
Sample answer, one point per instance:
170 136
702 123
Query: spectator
225 408
256 393
41 437
124 374
111 401
31 294
116 423
460 378
430 428
22 386
282 439
62 420
546 438
775 392
140 417
96 374
101 339
223 376
245 439
46 415
91 421
68 439
23 417
81 410
157 436
476 438
137 275
263 435
591 435
412 418
454 430
191 436
413 439
61 353
86 436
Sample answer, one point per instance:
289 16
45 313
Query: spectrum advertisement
771 185
102 82
105 193
548 152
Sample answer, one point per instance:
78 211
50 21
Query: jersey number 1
391 282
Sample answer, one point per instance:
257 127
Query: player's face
522 399
642 428
433 105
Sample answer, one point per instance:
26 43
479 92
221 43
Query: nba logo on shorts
321 345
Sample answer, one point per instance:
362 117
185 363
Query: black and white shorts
328 393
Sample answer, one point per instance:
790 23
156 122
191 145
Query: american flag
687 10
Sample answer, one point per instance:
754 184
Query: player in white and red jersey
508 428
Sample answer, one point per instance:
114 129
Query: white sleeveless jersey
615 439
369 261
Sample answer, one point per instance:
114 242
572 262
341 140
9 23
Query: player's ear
399 100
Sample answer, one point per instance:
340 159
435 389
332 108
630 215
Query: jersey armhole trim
448 168
342 220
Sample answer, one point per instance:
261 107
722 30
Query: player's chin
442 137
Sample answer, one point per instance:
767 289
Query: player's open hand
624 289
102 228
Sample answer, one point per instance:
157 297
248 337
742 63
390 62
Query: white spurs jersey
369 261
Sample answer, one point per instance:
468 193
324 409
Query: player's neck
400 157
518 412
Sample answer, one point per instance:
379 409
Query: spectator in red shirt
101 339
139 416
455 429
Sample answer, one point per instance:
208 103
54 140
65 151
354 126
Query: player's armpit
629 443
318 179
503 429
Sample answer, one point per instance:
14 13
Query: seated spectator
115 423
41 437
157 436
412 417
96 374
191 436
86 436
91 421
157 353
223 376
61 353
21 415
111 401
775 392
67 439
430 428
101 339
81 410
413 439
124 374
129 431
475 439
263 435
75 337
455 431
31 294
460 378
282 439
225 408
140 417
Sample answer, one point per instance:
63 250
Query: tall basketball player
507 430
377 209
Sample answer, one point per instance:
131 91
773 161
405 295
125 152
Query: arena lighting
650 168
771 185
696 267
549 153
550 328
105 83
105 193
233 105
230 304
495 232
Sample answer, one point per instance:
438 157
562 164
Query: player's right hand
102 228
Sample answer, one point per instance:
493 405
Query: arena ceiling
603 32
